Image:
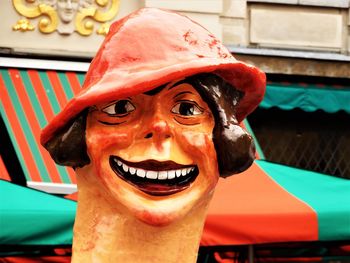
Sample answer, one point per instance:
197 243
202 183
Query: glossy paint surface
149 138
150 48
234 146
158 134
106 231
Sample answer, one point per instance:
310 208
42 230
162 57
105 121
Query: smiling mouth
153 177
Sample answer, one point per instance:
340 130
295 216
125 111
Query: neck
109 233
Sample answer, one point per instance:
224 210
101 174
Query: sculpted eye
121 107
187 108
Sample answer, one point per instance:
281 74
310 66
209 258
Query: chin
155 207
165 212
158 218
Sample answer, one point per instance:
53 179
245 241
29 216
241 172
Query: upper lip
155 177
154 164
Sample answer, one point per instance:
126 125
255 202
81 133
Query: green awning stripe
33 98
41 117
66 85
33 115
329 196
309 98
64 174
30 217
81 78
14 142
256 142
50 92
26 127
53 99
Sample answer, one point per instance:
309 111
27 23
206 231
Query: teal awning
288 96
276 203
31 217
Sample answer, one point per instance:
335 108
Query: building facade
302 45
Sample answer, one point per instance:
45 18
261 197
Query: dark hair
68 146
234 146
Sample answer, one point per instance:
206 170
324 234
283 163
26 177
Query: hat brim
116 84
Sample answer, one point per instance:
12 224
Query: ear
235 149
68 146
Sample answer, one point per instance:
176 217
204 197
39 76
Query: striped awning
268 203
308 97
30 98
271 203
4 175
30 217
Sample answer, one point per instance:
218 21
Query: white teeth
152 174
132 170
171 174
178 173
162 175
141 173
125 168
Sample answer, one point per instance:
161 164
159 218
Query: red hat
149 48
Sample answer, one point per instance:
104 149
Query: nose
69 4
158 129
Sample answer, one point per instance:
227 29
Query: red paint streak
57 87
42 95
45 103
72 175
74 82
53 259
338 86
3 171
285 83
34 125
18 132
320 85
73 196
190 38
127 59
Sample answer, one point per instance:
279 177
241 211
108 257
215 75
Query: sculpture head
158 117
67 9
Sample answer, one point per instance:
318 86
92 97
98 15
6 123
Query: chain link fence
315 141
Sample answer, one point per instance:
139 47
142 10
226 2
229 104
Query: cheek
102 141
200 146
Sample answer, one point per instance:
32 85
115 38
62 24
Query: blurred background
302 126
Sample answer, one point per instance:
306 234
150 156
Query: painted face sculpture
158 116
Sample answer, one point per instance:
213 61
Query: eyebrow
155 91
160 88
183 92
177 83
